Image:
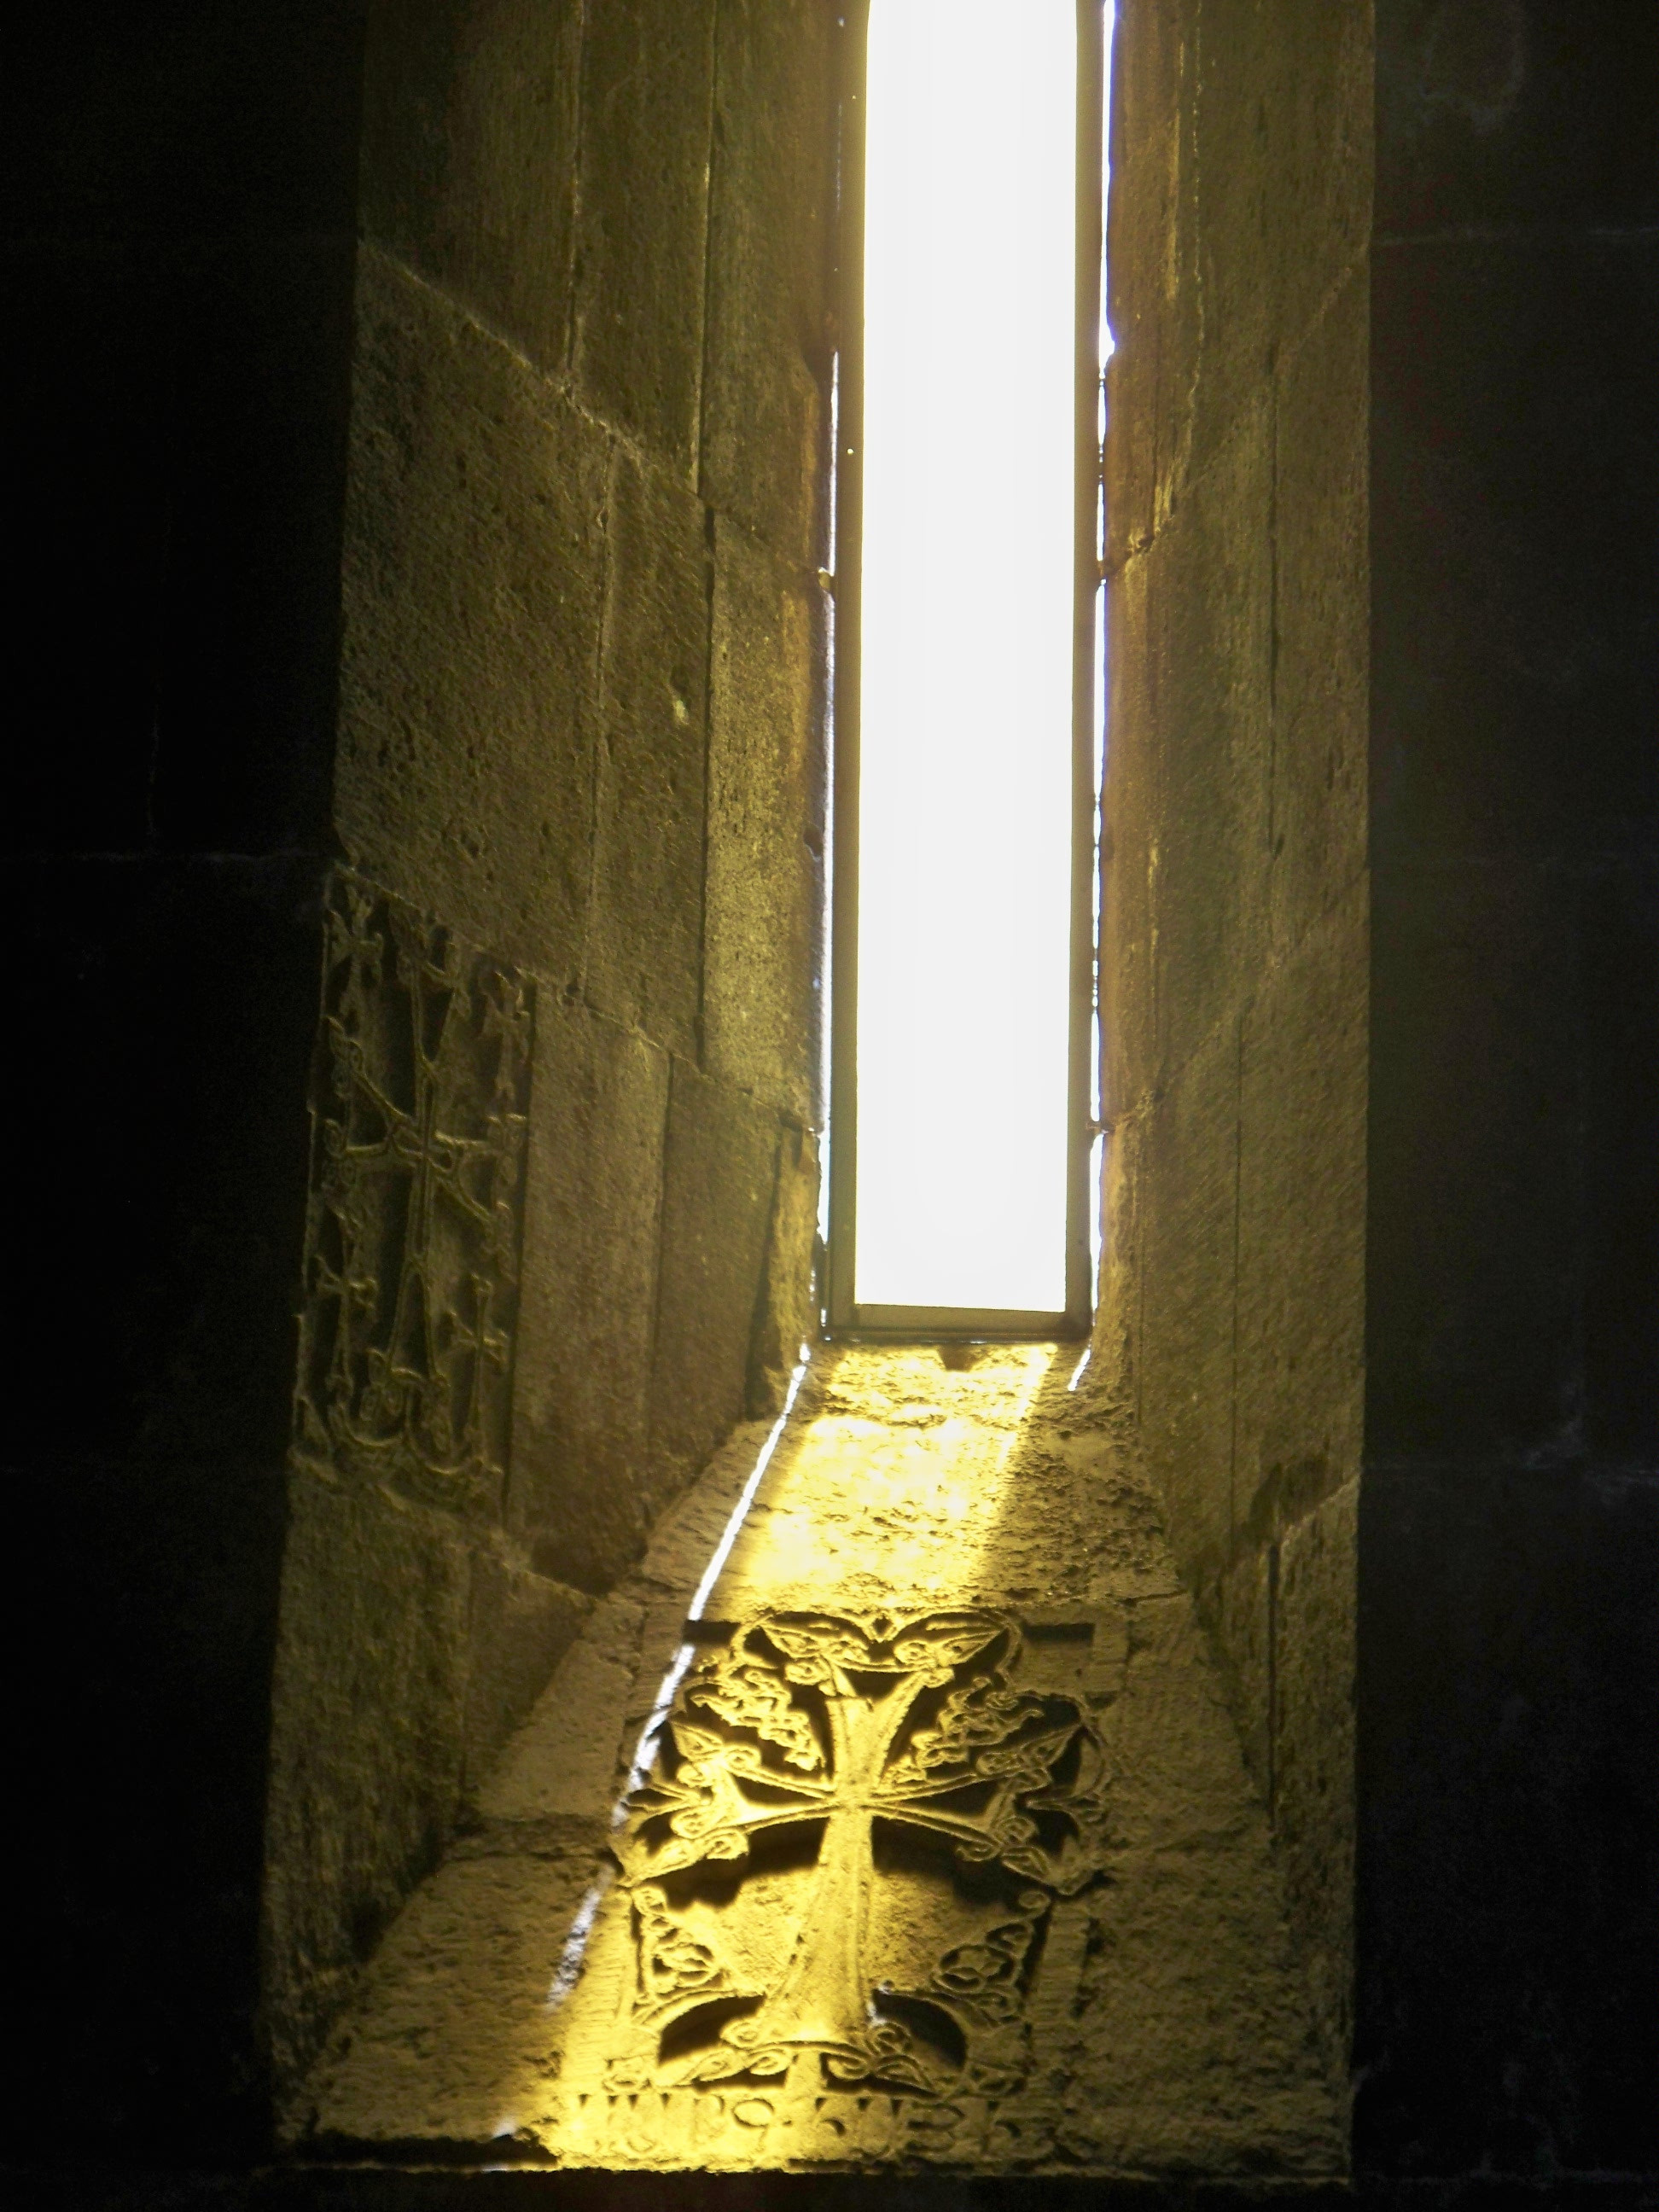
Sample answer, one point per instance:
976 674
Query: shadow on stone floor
927 1842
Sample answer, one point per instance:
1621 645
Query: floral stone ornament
844 1861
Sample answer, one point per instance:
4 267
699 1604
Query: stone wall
1235 905
571 967
1381 952
1509 1652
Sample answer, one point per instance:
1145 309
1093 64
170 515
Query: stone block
1115 1364
765 410
1320 796
1314 79
1275 207
1508 1940
599 1104
1240 195
1224 323
1506 114
684 1537
562 1764
451 2036
763 949
1179 1783
1475 1251
1514 572
1187 1976
788 1315
718 1179
1209 587
1300 1361
1188 1205
204 119
645 955
642 220
1242 1607
1313 1749
1129 849
367 1741
468 164
521 1625
473 575
1148 216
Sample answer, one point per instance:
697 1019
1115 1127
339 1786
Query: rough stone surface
469 157
1316 1658
645 958
369 1751
592 1229
765 401
561 1767
766 794
1189 1299
1167 2028
718 1176
474 563
1241 166
787 1317
642 222
1234 924
1322 598
1379 944
1299 1331
521 1625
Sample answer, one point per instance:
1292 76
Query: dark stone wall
176 237
580 773
416 435
1509 1897
1382 1006
1234 892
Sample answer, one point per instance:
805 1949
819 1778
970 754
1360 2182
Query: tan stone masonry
940 1847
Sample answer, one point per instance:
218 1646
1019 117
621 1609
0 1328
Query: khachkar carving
951 1809
419 1095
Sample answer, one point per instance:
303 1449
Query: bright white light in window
964 872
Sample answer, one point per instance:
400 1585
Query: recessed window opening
966 659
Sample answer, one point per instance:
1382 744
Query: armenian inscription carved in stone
419 1091
843 1871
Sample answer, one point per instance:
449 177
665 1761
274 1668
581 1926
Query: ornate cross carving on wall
860 1728
419 1099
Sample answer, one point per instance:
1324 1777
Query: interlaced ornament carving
419 1091
880 1735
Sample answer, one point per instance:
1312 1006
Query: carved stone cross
419 1098
844 1722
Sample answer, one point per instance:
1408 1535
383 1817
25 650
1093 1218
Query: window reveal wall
580 784
1234 898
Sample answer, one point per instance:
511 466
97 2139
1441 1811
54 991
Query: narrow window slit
966 659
